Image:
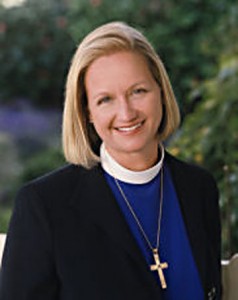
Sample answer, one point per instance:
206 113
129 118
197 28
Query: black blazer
68 239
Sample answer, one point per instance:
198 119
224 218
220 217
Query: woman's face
124 103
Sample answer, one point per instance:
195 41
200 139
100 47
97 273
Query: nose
126 112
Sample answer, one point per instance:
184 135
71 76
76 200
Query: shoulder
195 182
56 186
65 175
189 172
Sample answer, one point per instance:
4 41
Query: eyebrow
104 93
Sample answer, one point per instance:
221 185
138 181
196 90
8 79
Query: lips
129 128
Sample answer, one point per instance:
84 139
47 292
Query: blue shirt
181 276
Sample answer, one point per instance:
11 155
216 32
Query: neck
115 169
137 162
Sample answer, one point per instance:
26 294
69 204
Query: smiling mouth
131 128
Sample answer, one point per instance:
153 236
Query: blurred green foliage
42 163
35 51
5 215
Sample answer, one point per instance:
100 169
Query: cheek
157 116
100 123
94 115
156 110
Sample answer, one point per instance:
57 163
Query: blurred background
196 39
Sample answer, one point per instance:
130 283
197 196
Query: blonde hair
80 140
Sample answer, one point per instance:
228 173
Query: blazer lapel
95 201
190 204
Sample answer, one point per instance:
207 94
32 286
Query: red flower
61 22
96 3
3 27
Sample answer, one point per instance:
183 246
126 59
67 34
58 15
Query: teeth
126 129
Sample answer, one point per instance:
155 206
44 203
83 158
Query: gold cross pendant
159 268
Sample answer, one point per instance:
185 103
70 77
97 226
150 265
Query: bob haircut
80 140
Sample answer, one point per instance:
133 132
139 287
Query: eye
103 100
139 91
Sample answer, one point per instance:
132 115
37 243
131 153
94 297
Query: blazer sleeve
28 270
213 219
213 222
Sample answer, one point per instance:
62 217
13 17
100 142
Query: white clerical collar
137 177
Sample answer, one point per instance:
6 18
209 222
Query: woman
125 220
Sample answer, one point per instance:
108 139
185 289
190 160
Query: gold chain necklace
158 266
